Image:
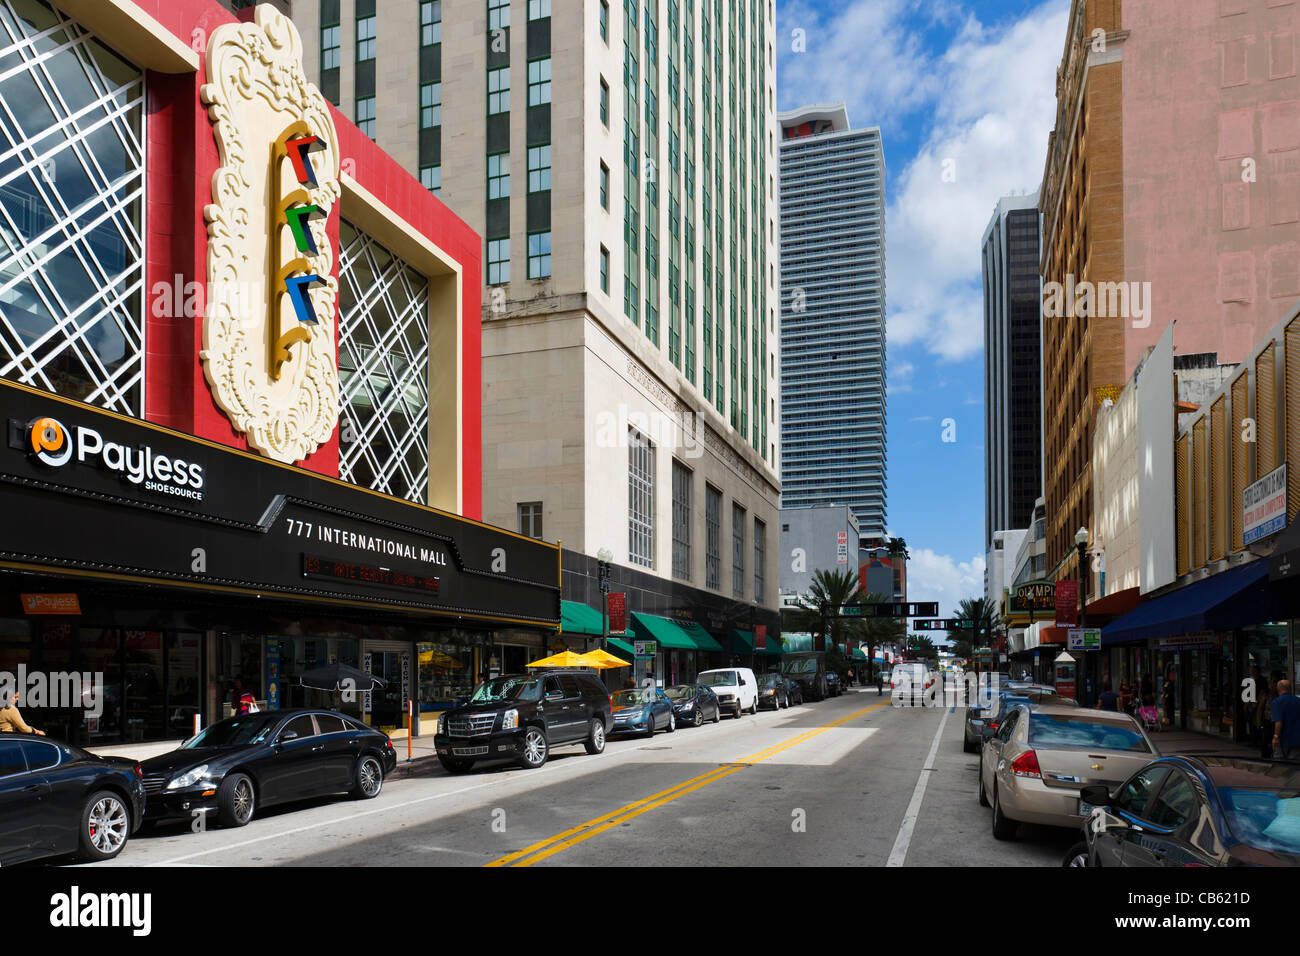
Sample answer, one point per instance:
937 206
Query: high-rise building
1013 412
1169 192
619 160
833 314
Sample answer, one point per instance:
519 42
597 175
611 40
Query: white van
736 688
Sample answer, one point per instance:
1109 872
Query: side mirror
462 701
1096 795
287 736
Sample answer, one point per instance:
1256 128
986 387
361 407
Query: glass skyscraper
833 315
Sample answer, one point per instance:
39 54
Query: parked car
643 711
773 691
808 669
796 690
694 704
1195 811
736 687
57 799
1033 767
834 686
257 760
520 717
977 718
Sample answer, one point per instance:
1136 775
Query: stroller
1150 717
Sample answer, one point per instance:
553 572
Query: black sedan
262 759
693 704
773 691
834 686
57 799
1195 811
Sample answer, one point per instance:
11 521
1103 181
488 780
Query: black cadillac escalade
520 717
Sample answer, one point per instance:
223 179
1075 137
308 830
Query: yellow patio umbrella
562 659
602 659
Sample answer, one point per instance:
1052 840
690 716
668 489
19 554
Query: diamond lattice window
71 191
383 369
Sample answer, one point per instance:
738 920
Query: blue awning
1230 599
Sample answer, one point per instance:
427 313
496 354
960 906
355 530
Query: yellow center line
562 841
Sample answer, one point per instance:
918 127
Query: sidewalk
1191 742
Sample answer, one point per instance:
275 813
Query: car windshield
1267 819
718 679
632 698
771 680
507 689
234 732
679 691
1051 730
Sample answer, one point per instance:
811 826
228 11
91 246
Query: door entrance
391 662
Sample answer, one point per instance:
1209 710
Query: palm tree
983 615
898 548
876 631
828 591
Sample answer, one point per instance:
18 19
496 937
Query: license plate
1085 809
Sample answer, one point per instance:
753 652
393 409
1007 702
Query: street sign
894 609
1084 638
1263 506
645 650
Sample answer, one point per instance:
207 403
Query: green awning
577 618
652 627
745 644
702 638
623 646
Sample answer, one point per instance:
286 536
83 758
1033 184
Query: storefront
167 602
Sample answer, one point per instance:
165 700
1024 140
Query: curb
419 766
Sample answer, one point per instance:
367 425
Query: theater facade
239 388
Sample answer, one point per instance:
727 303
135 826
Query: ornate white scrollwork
255 90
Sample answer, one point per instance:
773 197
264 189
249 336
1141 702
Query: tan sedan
1032 769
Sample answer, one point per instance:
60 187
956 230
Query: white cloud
989 104
937 577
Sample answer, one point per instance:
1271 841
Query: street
835 783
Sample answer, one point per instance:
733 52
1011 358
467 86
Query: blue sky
966 87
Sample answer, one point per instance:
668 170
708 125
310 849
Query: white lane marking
899 853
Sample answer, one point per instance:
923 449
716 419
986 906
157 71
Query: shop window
72 257
383 369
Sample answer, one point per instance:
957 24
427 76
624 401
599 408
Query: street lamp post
1081 543
604 556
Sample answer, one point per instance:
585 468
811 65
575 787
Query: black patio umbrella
340 677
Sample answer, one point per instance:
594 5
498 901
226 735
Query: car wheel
535 748
699 717
650 726
966 746
236 800
753 708
672 722
1003 828
105 826
453 765
370 778
1077 855
984 797
595 742
717 714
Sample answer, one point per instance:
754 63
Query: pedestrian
630 683
1109 700
11 722
1264 714
880 681
1285 714
241 701
1126 697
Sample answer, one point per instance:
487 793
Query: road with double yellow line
851 781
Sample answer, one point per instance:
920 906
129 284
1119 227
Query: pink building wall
1208 84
